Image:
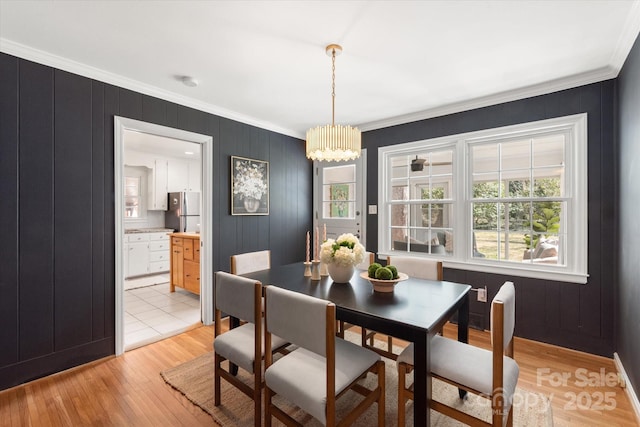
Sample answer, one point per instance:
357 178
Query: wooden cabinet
185 262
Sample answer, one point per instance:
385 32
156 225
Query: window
510 200
132 198
421 200
338 192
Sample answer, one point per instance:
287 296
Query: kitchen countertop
148 230
187 235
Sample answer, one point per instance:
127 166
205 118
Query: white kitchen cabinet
159 258
178 175
146 253
138 258
158 185
195 175
184 175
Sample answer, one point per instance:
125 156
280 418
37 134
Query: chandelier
333 142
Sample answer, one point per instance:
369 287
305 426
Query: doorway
340 201
132 200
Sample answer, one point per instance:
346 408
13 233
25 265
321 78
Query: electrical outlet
482 294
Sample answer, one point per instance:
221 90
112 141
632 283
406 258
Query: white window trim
575 270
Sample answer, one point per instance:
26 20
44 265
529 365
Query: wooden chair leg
267 407
497 409
381 398
216 380
390 344
257 401
402 377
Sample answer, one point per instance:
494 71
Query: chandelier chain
333 87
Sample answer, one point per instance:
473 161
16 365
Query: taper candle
324 232
307 259
316 246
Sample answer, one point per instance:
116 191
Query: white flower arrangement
249 180
345 251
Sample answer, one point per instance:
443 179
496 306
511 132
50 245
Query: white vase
251 204
339 273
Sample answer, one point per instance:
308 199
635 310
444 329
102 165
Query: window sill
520 271
514 269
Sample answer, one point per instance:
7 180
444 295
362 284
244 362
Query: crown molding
628 36
551 86
48 59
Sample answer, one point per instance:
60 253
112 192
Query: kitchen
162 199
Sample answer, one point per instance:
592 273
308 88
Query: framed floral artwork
249 186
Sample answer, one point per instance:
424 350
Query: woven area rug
194 379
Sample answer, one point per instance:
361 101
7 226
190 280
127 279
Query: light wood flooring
128 390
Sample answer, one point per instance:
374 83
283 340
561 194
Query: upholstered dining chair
243 345
420 268
322 367
250 261
489 373
369 258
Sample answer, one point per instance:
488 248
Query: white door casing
122 124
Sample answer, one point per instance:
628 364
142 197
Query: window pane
400 192
400 166
399 215
339 201
485 216
485 158
548 183
548 151
486 244
516 155
517 187
486 186
131 207
519 216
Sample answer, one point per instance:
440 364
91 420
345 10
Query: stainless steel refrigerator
183 214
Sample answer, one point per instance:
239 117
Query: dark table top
415 305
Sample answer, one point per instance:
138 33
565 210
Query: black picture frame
249 186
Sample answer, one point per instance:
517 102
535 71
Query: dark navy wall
57 285
571 315
628 249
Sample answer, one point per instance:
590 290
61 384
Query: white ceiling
264 62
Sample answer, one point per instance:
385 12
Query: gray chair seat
310 392
459 362
238 345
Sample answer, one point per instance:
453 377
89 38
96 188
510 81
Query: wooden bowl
383 285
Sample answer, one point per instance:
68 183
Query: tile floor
153 313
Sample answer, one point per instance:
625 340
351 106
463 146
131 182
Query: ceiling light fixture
189 81
333 142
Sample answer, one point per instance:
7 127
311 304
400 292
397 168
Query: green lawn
486 242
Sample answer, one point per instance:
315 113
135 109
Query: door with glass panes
339 202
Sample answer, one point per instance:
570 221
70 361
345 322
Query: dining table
415 311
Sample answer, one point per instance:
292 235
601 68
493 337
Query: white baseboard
633 397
